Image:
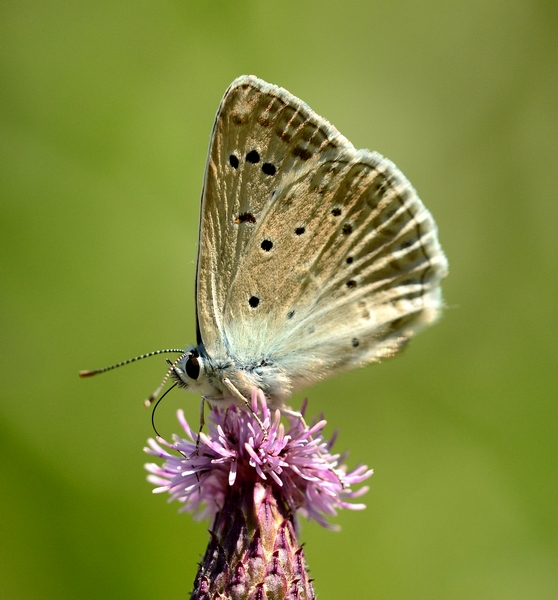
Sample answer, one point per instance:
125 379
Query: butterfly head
190 372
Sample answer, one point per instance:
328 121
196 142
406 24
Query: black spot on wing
238 119
253 157
269 169
245 218
301 153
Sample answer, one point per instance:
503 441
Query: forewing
262 136
345 265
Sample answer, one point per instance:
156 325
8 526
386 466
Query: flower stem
253 552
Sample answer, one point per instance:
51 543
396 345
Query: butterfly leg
234 391
289 412
202 423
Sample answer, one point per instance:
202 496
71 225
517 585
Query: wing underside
313 255
261 134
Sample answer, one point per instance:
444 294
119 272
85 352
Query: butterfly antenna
130 360
154 395
155 408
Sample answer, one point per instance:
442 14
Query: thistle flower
253 483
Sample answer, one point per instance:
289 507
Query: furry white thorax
214 380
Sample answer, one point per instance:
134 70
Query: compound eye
193 367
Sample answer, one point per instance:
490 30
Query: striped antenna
130 360
154 395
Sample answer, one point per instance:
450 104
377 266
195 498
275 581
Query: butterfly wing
353 272
327 261
261 134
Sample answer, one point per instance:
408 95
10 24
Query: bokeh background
106 110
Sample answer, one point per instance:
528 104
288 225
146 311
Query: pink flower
253 482
296 464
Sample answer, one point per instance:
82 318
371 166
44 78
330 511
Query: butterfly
314 257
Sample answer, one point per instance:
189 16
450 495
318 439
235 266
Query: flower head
295 463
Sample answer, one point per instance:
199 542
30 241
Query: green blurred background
106 111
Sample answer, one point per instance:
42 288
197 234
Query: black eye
192 367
